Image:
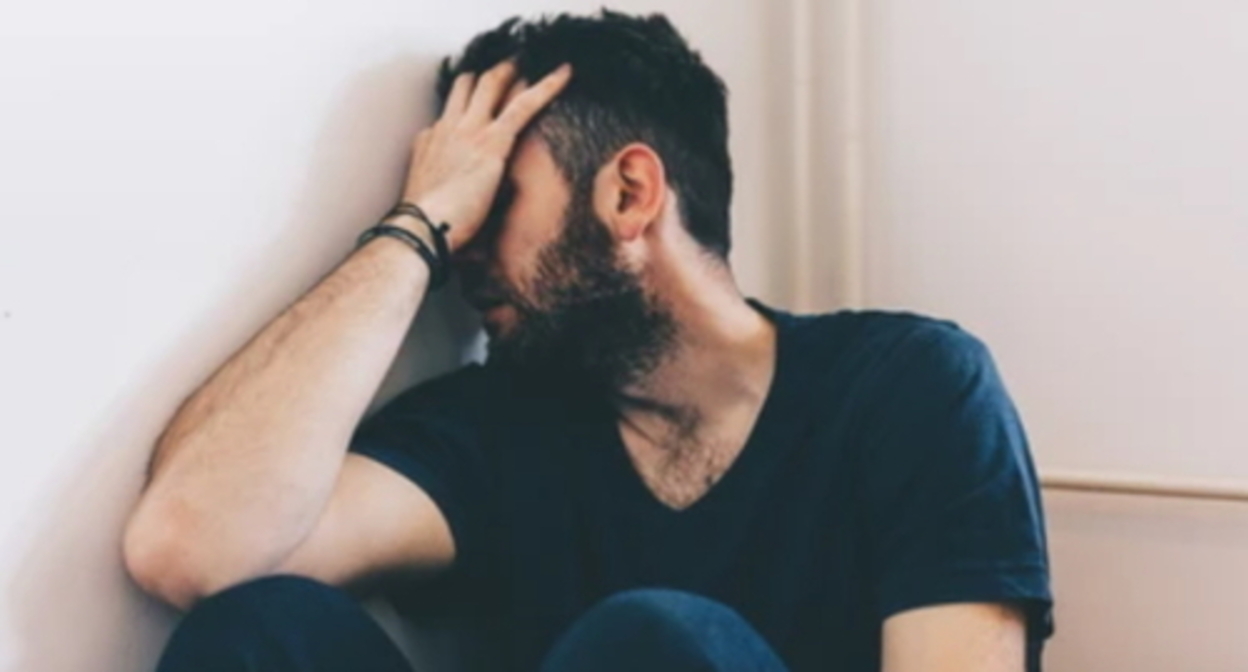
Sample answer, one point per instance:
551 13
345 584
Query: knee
652 629
672 610
246 608
231 624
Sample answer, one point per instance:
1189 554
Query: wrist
413 225
438 213
391 250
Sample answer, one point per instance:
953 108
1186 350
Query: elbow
166 563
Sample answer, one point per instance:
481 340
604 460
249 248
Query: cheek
515 258
517 244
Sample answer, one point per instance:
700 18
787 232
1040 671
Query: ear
630 191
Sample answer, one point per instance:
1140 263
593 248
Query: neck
721 362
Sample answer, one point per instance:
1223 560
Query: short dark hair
634 79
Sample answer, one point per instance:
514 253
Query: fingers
491 86
422 142
525 106
457 99
477 98
517 87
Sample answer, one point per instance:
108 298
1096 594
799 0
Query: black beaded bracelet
439 269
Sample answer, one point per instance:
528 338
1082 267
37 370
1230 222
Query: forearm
246 465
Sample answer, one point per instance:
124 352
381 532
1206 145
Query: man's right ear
630 191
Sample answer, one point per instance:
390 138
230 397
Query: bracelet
438 269
439 259
438 231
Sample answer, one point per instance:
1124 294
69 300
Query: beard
587 321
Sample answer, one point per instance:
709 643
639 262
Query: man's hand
458 162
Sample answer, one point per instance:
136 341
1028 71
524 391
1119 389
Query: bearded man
650 471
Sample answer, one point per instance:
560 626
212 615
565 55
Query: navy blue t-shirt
887 470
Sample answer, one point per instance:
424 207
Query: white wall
171 176
1069 179
1066 178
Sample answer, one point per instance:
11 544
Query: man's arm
968 637
251 476
241 474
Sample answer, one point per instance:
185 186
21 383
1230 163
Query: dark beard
590 321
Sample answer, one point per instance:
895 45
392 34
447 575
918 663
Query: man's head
637 137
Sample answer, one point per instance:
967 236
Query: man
650 471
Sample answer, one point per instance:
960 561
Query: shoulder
883 348
884 328
920 346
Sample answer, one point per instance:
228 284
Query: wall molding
826 242
1145 486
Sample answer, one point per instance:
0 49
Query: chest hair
681 467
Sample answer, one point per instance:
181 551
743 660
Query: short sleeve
951 495
432 433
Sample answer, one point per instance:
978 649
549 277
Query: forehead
530 156
532 164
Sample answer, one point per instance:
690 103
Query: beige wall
171 176
1069 179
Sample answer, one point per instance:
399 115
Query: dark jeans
293 624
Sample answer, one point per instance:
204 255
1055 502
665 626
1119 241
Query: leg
660 630
280 624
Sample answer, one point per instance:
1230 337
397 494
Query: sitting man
650 471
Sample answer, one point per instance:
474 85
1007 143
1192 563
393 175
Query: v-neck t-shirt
887 470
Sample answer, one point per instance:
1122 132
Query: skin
251 477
